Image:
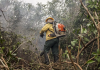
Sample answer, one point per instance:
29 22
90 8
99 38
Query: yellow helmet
49 18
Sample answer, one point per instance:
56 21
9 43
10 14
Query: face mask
50 22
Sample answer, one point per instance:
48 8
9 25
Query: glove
41 35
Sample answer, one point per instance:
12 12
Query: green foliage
9 46
74 42
92 4
65 54
86 39
65 12
1 50
84 30
97 57
90 61
87 32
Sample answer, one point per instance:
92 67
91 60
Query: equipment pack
59 30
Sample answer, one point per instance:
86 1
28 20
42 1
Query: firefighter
51 41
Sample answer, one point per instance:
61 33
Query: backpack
59 30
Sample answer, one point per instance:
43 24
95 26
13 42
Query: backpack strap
54 25
50 30
52 35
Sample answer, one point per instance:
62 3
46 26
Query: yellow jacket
45 29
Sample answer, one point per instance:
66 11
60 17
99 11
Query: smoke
23 19
26 19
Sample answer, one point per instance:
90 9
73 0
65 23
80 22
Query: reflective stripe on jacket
45 29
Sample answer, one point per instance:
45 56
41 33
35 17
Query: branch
89 13
90 42
82 43
91 50
21 45
75 64
98 29
88 60
86 46
69 52
5 62
2 63
98 26
98 35
97 17
2 67
3 15
78 49
50 62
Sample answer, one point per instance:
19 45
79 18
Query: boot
55 58
41 53
46 58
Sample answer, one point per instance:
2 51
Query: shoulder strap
54 25
50 30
